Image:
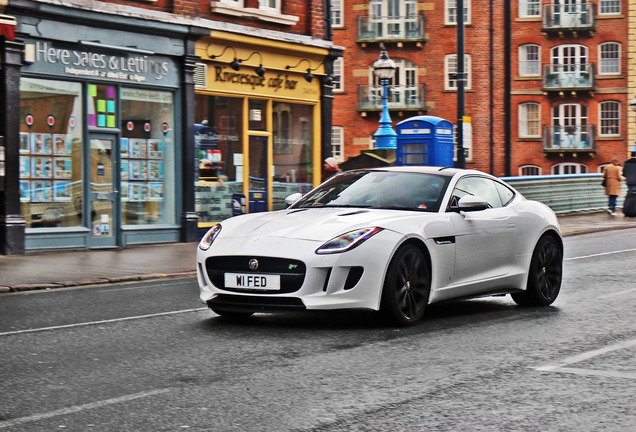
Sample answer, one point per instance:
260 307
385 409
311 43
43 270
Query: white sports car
389 239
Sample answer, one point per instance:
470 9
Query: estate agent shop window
219 139
52 152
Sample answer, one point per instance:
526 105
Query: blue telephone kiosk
425 140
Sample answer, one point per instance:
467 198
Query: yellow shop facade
262 122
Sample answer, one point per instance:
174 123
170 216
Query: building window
337 13
147 157
609 114
451 11
529 8
609 58
51 153
530 120
337 141
609 7
338 74
569 168
529 170
529 60
450 72
270 5
602 167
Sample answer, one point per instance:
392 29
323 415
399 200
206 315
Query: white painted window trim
522 167
226 8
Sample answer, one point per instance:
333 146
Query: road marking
83 407
599 254
562 366
84 324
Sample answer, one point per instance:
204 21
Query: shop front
100 142
258 124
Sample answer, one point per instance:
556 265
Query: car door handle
511 226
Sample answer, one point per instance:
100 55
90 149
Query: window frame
264 6
340 10
522 168
337 142
447 71
578 167
526 5
450 12
602 118
609 4
523 60
602 57
524 120
338 75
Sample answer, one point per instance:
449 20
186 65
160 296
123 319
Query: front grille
292 272
235 303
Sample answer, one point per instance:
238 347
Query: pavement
49 270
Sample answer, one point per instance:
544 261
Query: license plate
252 281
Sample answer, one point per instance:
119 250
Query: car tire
407 287
544 275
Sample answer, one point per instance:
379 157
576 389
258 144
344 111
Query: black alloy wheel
544 275
407 287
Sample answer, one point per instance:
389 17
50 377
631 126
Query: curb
98 281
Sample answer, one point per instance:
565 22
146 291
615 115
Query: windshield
379 189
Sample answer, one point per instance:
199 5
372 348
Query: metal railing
409 27
568 76
568 138
578 16
400 97
565 193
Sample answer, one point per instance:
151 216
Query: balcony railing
578 16
579 76
387 28
568 138
400 97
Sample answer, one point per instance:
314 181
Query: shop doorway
258 174
103 195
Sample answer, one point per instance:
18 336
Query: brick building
129 122
546 85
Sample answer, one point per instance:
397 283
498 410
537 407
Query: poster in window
62 168
123 147
124 169
42 167
62 191
155 170
25 191
62 144
155 149
25 167
25 142
41 191
41 143
138 170
138 148
137 192
124 191
155 191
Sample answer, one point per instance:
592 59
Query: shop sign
273 84
95 63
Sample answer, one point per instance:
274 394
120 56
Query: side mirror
293 198
472 203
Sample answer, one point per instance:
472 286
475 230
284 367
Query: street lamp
384 69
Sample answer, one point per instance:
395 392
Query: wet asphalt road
149 357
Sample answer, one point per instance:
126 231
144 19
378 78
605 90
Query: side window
479 186
505 193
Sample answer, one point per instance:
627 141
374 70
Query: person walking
629 170
613 177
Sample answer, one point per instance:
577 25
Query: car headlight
347 241
209 237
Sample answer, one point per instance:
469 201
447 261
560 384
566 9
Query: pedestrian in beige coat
613 177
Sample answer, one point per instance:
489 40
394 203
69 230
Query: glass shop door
103 193
258 174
